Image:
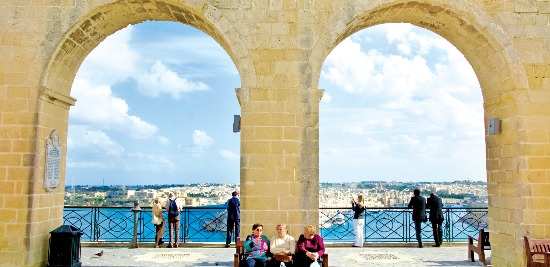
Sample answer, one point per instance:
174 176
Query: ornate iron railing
208 224
394 224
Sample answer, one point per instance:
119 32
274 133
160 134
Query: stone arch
104 20
64 51
500 72
477 36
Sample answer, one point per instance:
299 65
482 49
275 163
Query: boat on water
217 224
338 219
375 211
324 221
475 219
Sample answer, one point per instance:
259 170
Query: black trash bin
65 247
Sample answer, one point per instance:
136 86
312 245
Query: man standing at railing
233 206
173 208
436 217
418 204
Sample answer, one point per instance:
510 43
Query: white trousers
358 225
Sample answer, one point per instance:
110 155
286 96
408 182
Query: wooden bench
537 252
479 245
240 254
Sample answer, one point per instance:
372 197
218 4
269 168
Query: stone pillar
279 158
29 210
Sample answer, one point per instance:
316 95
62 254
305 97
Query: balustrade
208 224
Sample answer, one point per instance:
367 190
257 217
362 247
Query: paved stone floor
448 255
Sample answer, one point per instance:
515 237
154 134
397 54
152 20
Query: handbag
283 257
156 220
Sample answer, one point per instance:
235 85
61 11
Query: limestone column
279 158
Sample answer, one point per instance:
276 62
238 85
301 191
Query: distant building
130 193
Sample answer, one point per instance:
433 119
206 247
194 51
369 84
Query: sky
155 105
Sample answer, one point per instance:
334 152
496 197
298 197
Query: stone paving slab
338 256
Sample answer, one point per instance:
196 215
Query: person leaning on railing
173 208
158 221
418 205
282 247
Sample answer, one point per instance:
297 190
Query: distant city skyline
155 104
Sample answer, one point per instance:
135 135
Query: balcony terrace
450 254
389 237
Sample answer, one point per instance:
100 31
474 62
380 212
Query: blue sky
155 105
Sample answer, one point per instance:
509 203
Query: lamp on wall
494 126
236 123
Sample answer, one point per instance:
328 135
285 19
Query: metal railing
208 224
394 224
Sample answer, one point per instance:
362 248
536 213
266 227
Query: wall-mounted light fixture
494 126
236 123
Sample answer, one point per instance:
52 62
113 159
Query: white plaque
53 161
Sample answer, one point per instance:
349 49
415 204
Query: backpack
174 211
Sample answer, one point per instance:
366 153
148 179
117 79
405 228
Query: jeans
251 262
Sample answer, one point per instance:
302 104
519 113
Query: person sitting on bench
311 248
256 246
282 247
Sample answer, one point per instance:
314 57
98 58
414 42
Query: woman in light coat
158 221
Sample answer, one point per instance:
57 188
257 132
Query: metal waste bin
65 247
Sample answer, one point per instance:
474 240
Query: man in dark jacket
436 217
233 206
418 204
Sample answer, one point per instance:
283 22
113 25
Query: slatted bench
478 245
537 252
240 254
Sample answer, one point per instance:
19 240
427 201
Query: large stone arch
68 51
502 77
278 47
92 28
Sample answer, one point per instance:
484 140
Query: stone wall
278 47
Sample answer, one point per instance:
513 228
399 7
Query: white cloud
114 61
326 97
94 141
201 139
200 143
368 152
97 107
349 68
205 51
368 125
164 141
161 80
156 163
226 154
408 82
88 164
415 98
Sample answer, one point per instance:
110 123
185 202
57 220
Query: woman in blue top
256 246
